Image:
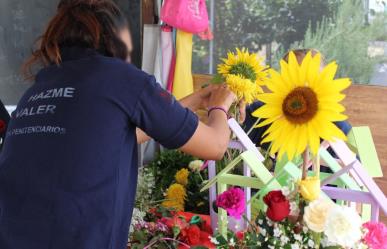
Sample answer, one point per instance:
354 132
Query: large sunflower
302 106
244 74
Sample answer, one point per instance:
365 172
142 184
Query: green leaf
176 231
139 236
217 79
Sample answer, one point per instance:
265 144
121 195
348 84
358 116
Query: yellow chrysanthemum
302 106
175 198
244 74
182 176
243 88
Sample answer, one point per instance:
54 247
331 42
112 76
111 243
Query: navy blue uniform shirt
68 170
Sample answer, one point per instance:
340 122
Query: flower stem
316 162
305 161
252 127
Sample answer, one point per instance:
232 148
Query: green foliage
164 168
346 39
197 202
162 173
254 23
378 27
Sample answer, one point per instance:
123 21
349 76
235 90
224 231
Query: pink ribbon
204 166
166 239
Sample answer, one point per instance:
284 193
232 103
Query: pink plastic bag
188 15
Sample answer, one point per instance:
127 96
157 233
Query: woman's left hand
204 94
200 100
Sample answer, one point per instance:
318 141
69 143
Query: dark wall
21 22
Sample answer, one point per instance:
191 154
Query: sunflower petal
267 121
313 137
331 115
328 73
267 111
302 139
313 70
294 69
304 68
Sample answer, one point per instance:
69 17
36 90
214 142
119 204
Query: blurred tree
347 39
255 23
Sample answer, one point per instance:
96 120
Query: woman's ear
127 39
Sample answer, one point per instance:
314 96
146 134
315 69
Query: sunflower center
245 70
300 105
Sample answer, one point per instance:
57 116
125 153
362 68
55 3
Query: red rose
206 227
205 240
174 222
240 235
191 235
3 126
278 206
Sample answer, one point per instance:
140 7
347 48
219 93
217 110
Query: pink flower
376 235
233 201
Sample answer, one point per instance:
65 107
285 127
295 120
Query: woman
68 169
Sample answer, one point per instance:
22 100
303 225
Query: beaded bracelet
217 108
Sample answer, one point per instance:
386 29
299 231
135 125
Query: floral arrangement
184 194
164 168
303 102
292 222
164 228
172 177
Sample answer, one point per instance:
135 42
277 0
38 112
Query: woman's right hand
221 96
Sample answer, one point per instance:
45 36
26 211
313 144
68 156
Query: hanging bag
188 15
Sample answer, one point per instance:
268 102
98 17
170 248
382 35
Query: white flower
361 246
311 243
326 243
277 232
295 246
213 240
316 214
297 237
263 232
284 240
343 226
232 242
294 210
137 218
260 222
195 165
285 191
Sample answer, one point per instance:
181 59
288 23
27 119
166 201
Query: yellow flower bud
310 188
182 177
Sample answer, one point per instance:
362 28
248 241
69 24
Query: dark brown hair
91 24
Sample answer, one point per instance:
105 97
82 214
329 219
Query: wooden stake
305 156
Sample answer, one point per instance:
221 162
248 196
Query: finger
242 111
